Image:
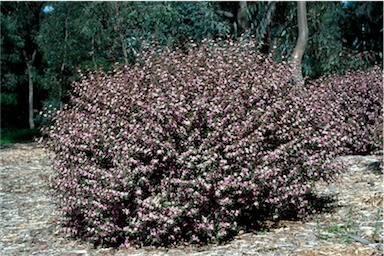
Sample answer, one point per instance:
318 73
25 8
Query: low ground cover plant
180 146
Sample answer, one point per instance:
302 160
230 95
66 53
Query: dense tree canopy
64 37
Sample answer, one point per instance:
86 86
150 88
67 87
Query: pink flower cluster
178 146
354 103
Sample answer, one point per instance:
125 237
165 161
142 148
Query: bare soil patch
352 223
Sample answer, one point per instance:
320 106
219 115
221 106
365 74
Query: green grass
9 136
339 231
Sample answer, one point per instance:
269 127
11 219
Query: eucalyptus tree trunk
302 40
29 63
64 62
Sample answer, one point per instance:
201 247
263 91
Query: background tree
63 46
68 36
302 40
22 21
329 50
11 46
29 60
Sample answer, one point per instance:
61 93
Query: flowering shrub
178 147
354 103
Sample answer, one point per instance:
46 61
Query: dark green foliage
340 38
19 26
9 136
9 61
363 25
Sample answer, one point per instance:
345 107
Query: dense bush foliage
355 106
180 147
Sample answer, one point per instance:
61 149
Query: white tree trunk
302 40
29 63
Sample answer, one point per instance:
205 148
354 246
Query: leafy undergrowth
9 136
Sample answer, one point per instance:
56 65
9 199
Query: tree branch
226 14
271 7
